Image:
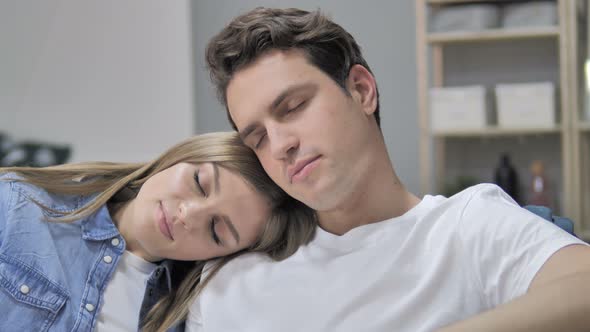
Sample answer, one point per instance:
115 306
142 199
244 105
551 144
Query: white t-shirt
123 296
443 261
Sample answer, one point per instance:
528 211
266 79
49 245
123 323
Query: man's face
309 135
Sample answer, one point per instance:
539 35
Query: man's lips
163 222
296 169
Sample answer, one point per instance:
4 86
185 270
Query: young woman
117 247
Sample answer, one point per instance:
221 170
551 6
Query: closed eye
260 141
301 104
214 235
198 184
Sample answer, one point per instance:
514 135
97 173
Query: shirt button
107 259
89 307
24 289
115 242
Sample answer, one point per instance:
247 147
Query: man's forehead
267 65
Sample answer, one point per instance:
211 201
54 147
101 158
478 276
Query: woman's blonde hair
290 225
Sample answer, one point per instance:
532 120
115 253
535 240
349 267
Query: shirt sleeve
506 244
193 320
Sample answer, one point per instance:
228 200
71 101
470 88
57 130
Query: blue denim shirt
53 275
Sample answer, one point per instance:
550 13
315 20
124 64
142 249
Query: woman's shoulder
15 190
10 190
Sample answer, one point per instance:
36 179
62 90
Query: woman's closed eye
214 235
198 184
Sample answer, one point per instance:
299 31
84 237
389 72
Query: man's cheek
271 167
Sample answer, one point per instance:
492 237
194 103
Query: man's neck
380 198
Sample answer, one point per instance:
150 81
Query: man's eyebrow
247 131
232 228
288 91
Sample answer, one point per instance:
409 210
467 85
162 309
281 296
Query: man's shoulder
478 196
244 262
479 191
253 267
441 206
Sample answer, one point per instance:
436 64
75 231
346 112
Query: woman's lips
163 222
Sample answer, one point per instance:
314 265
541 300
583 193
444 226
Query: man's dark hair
326 45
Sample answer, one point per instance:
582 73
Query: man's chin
314 200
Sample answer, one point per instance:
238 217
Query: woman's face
192 212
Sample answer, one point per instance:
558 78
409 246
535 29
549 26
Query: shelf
494 34
440 63
494 131
452 2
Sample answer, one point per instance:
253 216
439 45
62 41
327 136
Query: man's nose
282 143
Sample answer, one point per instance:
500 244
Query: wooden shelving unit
570 131
491 132
451 2
578 27
492 35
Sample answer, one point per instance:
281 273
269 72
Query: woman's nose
190 212
184 213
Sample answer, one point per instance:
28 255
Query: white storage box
469 17
528 105
459 108
526 14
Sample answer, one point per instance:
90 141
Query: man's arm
558 299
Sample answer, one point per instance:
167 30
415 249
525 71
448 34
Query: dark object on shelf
4 145
32 153
506 177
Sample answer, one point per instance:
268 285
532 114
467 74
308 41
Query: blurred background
471 91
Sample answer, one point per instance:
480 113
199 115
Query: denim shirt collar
99 228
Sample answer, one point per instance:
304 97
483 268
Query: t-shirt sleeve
193 320
506 244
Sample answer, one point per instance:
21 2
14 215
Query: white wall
112 78
386 32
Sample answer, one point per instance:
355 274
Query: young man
303 98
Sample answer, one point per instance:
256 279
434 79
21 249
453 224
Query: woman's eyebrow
232 228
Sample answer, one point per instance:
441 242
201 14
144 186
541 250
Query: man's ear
362 87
